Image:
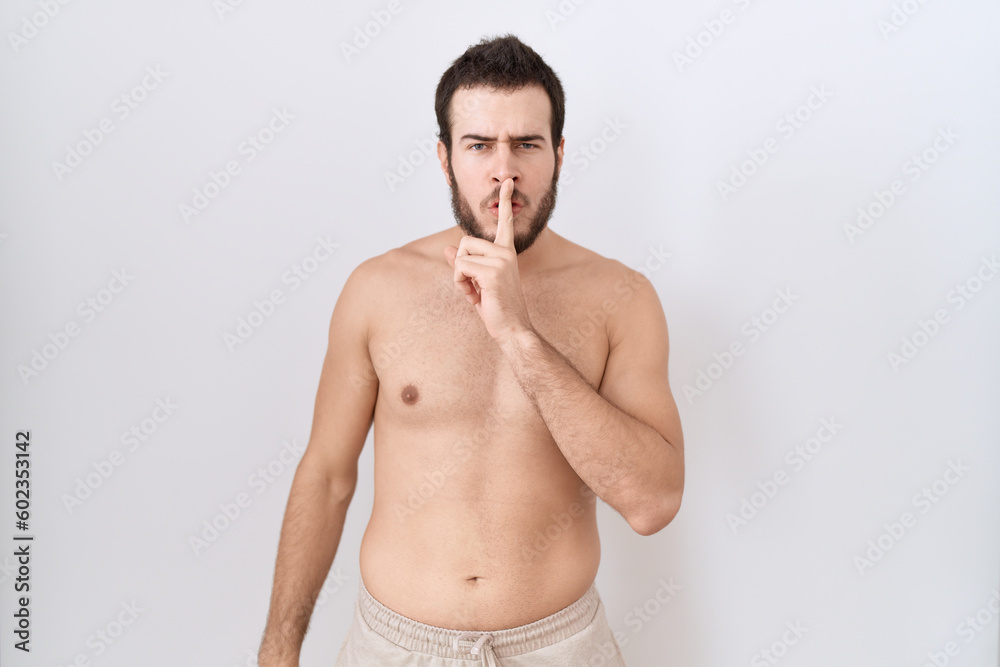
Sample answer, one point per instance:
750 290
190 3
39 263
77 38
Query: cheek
467 175
469 182
460 162
541 174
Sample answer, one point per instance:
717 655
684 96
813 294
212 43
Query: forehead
483 111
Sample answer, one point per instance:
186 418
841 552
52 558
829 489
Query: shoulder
415 256
387 268
605 277
394 276
625 295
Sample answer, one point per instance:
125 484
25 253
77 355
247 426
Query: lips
514 208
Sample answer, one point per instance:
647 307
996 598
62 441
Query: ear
443 158
559 153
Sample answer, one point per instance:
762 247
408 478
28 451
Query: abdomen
477 533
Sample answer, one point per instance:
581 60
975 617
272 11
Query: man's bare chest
436 363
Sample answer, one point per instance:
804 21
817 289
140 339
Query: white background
682 128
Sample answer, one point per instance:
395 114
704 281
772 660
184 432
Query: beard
466 219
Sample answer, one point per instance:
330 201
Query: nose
505 165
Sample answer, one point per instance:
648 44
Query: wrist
518 339
274 654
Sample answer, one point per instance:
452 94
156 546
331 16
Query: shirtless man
513 377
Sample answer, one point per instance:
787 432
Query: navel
410 395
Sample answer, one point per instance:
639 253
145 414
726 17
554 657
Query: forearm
627 463
310 534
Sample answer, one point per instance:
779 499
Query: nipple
410 395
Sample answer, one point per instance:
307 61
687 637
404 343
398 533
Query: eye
528 145
473 147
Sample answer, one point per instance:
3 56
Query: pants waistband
446 643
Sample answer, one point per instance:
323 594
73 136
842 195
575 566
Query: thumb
450 252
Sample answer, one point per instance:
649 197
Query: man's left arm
623 440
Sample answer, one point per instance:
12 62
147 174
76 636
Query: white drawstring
483 638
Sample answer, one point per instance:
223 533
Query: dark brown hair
502 63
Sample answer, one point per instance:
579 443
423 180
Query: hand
487 274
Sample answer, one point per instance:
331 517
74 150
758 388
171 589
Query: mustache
515 198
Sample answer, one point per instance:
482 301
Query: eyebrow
529 137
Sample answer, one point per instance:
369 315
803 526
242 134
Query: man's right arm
326 476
